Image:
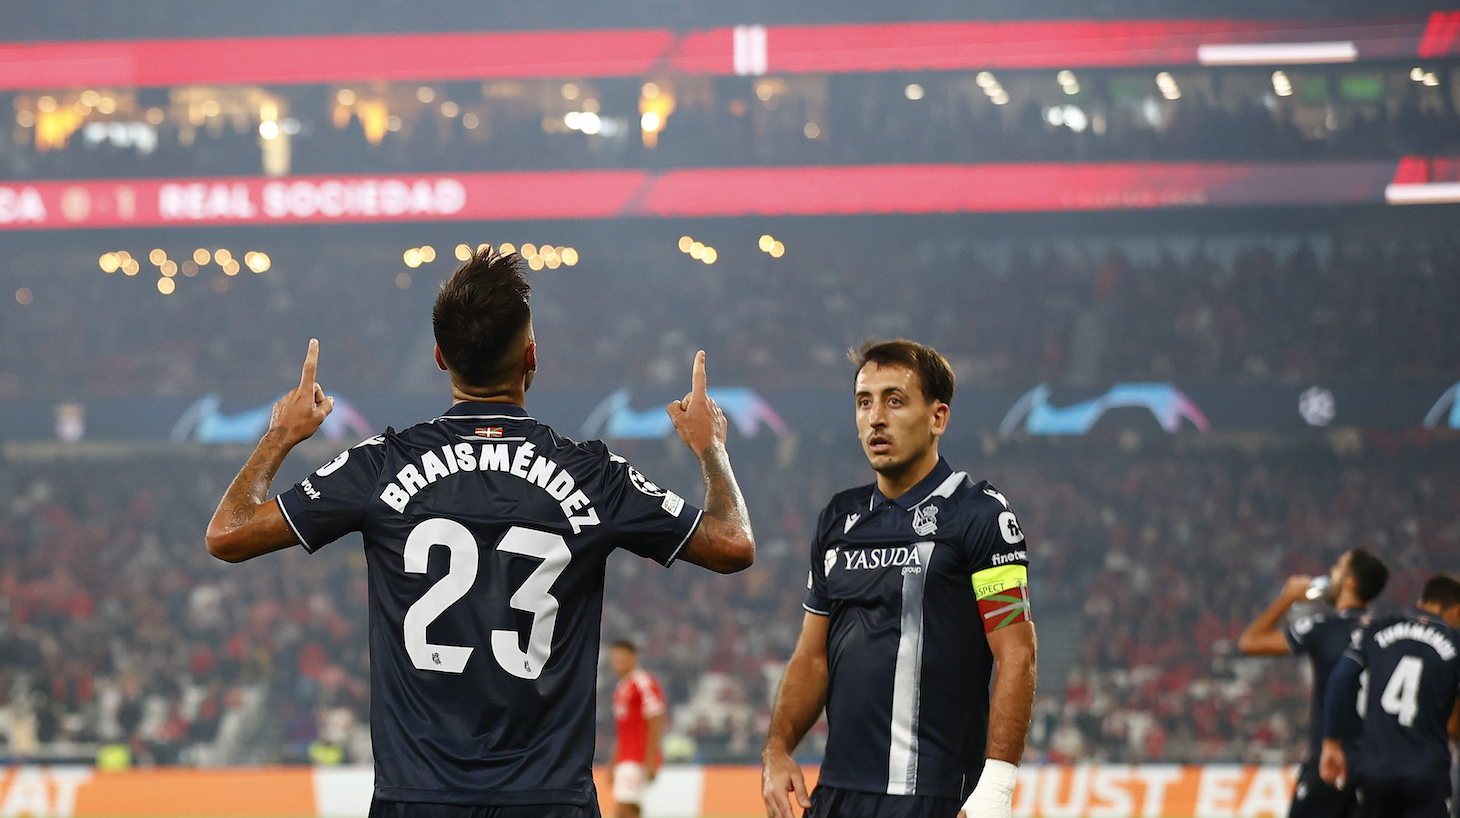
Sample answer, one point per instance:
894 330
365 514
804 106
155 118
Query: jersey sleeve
999 559
331 502
818 600
647 520
1297 635
651 699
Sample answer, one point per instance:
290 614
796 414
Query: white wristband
994 794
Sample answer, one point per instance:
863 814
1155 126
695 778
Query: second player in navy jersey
486 535
918 590
1355 580
1408 705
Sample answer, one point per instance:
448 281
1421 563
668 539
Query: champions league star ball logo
925 520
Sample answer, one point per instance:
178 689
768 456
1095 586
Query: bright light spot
428 254
392 123
505 247
450 109
777 250
552 262
985 79
189 268
1417 74
463 252
529 249
1167 84
685 242
547 251
412 258
403 280
570 256
269 129
46 104
222 256
697 250
649 122
764 91
109 262
1000 98
650 90
201 256
107 105
1076 119
212 108
426 94
1065 77
123 255
169 268
90 98
166 286
589 123
812 130
155 116
765 243
535 262
264 263
570 90
230 267
1073 88
131 267
24 296
571 119
345 97
1055 116
1431 79
157 256
483 247
1281 85
470 121
913 91
25 119
709 255
258 262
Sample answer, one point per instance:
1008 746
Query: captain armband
1003 596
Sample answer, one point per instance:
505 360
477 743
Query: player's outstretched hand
1332 766
302 409
699 421
780 778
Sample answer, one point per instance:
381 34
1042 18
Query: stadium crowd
874 118
1010 314
119 631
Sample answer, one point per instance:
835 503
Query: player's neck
516 396
894 485
1348 602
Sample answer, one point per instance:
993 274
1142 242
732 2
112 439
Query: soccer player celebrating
486 536
1408 705
1353 582
638 716
918 588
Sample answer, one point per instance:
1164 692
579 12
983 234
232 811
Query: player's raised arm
1264 637
723 541
246 523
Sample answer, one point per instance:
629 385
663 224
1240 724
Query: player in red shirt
638 715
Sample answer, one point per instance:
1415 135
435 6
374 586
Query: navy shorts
402 809
833 802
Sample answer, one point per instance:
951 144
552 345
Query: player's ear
940 418
440 361
529 357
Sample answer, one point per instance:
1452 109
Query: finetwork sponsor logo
309 489
1013 556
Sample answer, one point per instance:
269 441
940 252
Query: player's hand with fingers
781 779
699 421
302 409
1332 766
1296 588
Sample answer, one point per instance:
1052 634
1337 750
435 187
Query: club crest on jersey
830 561
851 521
925 520
488 431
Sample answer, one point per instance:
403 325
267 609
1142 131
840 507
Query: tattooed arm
723 541
246 523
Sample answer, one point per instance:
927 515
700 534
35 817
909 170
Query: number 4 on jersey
1401 694
461 574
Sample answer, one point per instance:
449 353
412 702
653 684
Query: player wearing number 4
1409 708
486 536
918 588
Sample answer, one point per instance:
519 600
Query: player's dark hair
934 373
626 645
480 314
1442 590
1369 573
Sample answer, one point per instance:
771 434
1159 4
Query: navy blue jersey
486 536
1323 638
910 585
1413 672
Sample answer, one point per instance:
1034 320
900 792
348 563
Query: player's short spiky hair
934 373
1442 590
1369 573
625 644
480 315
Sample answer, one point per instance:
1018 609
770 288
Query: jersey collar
922 491
483 410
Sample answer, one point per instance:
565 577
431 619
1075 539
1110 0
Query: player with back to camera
638 717
1354 581
1408 705
486 536
918 589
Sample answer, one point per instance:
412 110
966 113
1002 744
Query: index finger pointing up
311 362
698 380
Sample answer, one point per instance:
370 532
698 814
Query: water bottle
1316 587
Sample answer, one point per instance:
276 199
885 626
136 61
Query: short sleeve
646 519
1297 635
818 598
651 700
331 502
1000 564
1356 647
